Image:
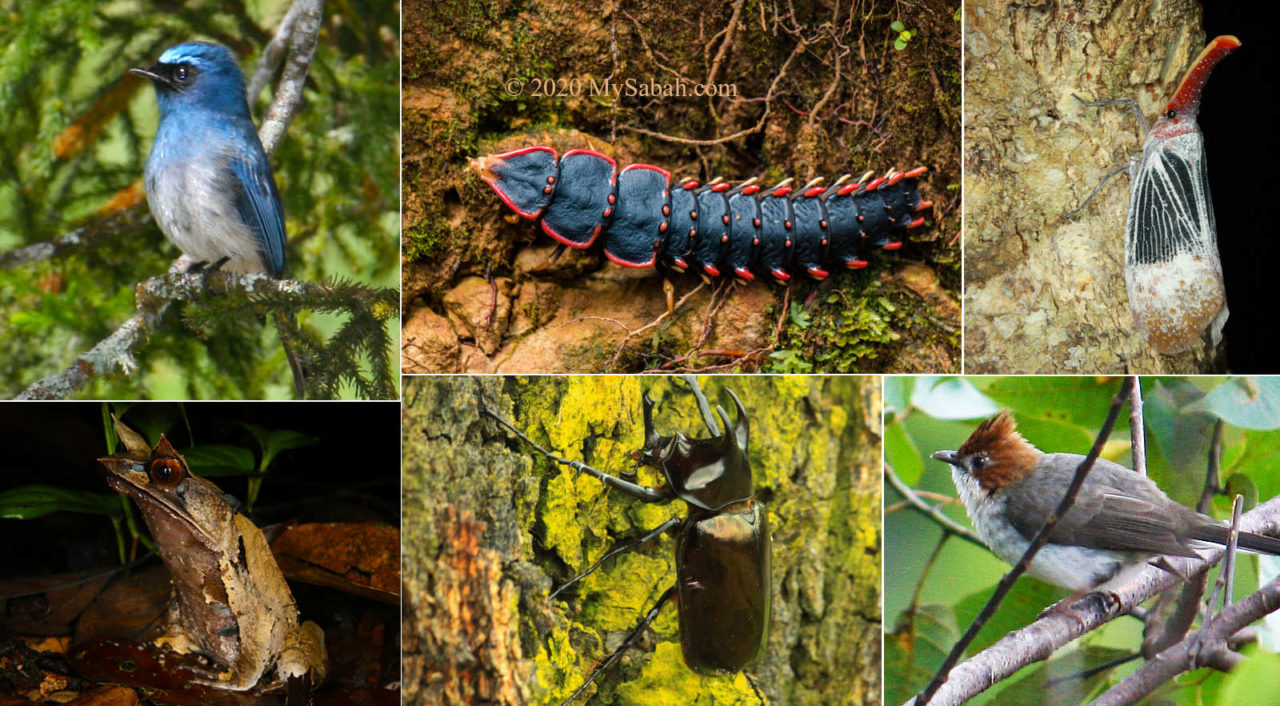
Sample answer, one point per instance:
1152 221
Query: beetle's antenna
703 406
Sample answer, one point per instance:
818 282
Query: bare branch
948 525
1058 626
1205 647
289 93
1137 430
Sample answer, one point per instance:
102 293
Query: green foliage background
337 169
927 607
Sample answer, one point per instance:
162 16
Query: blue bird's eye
181 74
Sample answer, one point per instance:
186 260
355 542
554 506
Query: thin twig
1229 564
948 525
289 92
1137 430
1205 647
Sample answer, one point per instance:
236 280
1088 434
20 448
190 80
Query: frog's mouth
129 477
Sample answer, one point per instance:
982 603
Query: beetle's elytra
723 586
713 229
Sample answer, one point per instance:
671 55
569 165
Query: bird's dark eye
1171 114
180 75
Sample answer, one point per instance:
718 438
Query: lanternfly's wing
1171 212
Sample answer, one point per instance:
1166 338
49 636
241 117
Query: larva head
1180 115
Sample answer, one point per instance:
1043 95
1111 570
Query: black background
351 474
1239 119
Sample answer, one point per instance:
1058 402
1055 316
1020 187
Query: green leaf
902 454
31 501
1020 607
897 26
798 315
1080 400
916 649
281 440
220 460
899 44
950 398
897 394
1246 402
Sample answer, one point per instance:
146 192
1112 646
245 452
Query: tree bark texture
1044 294
490 529
820 91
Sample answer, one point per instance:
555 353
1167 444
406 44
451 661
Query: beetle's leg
755 687
639 492
621 548
626 644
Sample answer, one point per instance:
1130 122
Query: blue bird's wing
258 202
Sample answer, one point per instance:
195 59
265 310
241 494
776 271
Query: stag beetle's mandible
723 586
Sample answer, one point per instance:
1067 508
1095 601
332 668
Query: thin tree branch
1042 537
1058 626
289 92
114 355
1137 430
948 525
1205 647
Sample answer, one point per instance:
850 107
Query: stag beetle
722 588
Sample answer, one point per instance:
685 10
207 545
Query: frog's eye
166 472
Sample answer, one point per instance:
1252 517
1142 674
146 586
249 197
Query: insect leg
1142 119
626 644
1122 168
639 492
622 548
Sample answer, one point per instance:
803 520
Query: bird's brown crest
1009 456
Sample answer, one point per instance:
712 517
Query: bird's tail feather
1245 540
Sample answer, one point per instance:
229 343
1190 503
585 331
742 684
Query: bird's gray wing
1104 516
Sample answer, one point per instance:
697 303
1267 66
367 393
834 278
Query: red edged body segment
636 231
524 179
581 206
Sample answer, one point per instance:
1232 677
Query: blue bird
209 184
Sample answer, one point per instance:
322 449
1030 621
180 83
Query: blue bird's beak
151 74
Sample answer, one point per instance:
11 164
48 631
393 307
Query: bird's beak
149 73
948 457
